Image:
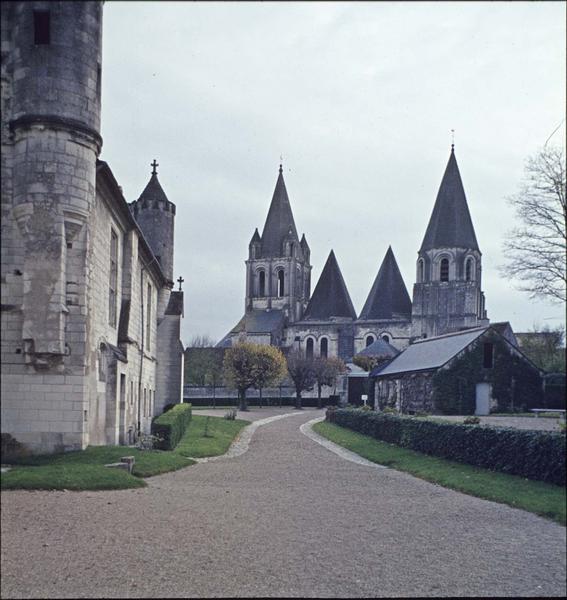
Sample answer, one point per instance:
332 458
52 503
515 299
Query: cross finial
154 165
180 281
281 161
452 139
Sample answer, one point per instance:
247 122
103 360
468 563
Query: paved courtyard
286 518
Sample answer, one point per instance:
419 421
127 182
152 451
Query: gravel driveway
286 518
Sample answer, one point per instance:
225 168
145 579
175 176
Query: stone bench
126 463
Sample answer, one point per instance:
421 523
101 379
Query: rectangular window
113 278
41 27
488 361
148 316
98 81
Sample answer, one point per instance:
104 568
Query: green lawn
538 497
220 434
85 470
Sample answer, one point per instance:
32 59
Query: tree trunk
260 399
243 405
298 399
318 395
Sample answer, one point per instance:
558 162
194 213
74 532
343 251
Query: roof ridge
452 334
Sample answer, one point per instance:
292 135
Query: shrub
11 449
533 454
471 420
366 408
171 425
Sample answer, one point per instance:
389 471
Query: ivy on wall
515 384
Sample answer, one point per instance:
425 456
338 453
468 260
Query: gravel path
286 518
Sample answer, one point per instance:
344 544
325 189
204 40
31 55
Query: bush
471 420
171 425
11 449
536 455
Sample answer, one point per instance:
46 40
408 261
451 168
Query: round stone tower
53 67
155 215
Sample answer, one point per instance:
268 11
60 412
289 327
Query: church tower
278 273
447 294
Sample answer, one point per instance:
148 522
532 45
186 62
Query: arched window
386 338
280 283
309 348
444 270
469 269
262 284
420 270
324 347
369 340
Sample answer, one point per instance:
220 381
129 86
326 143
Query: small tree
544 347
300 369
269 369
325 372
239 367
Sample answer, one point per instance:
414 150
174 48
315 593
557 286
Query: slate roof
260 321
379 348
153 192
331 297
388 297
430 353
175 304
279 222
450 225
256 237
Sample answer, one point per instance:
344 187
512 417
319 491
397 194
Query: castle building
447 296
90 322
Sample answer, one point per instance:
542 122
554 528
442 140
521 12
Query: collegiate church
280 309
90 322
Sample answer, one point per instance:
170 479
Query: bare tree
201 341
535 252
300 369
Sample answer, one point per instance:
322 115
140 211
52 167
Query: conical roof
153 192
279 221
256 237
450 225
331 297
388 297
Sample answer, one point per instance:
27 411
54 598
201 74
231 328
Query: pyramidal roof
331 297
450 225
279 222
388 297
153 192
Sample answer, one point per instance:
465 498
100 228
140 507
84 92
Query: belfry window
262 284
324 347
280 283
420 271
444 270
369 340
469 269
41 27
386 338
309 348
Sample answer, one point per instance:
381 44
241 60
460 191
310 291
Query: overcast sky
360 99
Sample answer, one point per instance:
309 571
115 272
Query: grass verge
85 470
543 499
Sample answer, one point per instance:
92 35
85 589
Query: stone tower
278 273
447 294
155 215
51 90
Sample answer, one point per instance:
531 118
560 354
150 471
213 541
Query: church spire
388 297
450 225
279 222
331 297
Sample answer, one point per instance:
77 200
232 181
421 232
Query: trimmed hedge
536 455
171 425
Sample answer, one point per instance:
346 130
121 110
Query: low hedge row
171 425
536 455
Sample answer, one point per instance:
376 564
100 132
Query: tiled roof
450 225
388 297
379 348
331 297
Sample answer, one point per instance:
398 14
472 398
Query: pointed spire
255 238
388 297
304 243
279 221
331 297
450 225
153 192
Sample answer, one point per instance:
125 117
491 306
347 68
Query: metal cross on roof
154 165
180 281
452 138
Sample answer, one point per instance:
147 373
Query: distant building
90 324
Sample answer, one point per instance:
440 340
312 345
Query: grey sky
360 99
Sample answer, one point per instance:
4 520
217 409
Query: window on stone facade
145 403
113 278
488 358
386 338
98 81
324 347
309 348
469 269
369 340
102 362
420 271
444 270
148 316
280 283
41 27
131 392
262 284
